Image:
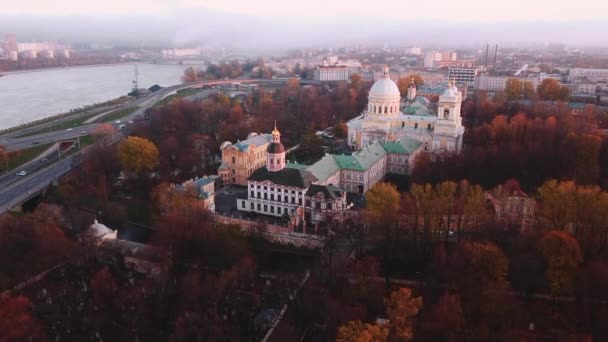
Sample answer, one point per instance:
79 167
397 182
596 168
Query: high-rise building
462 75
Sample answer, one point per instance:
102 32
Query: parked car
22 173
44 160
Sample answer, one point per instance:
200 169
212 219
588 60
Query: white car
21 173
69 129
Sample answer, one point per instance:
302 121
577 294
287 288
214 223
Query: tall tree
382 215
17 320
563 256
401 308
137 155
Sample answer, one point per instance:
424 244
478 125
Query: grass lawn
66 124
180 94
21 157
117 115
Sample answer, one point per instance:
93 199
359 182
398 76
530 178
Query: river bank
30 96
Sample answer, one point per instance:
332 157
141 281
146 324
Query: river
33 95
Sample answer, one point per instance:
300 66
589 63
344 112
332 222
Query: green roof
348 163
296 165
370 155
324 168
404 145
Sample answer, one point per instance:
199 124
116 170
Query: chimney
487 52
495 55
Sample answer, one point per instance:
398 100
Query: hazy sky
458 10
266 24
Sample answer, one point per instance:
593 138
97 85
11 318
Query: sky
289 23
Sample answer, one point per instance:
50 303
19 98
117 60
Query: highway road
27 187
15 190
31 167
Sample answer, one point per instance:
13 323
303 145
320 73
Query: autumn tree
190 75
445 320
486 261
516 89
382 215
104 286
563 256
103 132
17 320
551 89
356 331
341 130
137 155
404 83
401 308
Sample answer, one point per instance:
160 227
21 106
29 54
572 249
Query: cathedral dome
385 87
275 148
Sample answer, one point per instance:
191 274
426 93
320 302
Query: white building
177 53
462 75
498 83
586 88
593 75
413 51
388 119
429 59
331 73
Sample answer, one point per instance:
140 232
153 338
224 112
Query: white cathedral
388 118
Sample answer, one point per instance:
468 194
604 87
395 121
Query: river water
33 95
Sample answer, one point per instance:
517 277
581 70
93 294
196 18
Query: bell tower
447 136
275 153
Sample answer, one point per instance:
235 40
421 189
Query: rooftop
405 145
297 177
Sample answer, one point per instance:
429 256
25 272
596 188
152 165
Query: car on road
69 129
44 160
117 121
21 173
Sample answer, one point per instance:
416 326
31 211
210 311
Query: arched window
391 109
385 109
416 125
374 108
446 113
428 127
402 124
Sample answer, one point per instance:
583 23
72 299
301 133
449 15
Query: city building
240 160
331 73
413 51
179 53
593 75
429 59
586 88
512 205
202 188
309 194
462 75
387 119
498 83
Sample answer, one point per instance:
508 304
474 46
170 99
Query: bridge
15 191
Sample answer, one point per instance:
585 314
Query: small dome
451 94
225 144
275 148
385 88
